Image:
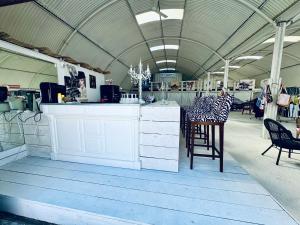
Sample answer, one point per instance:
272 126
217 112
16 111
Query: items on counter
50 92
129 99
110 93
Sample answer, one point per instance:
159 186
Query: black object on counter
110 93
3 93
50 91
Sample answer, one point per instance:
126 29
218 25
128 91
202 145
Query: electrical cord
34 117
11 119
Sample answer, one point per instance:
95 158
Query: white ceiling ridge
163 38
138 27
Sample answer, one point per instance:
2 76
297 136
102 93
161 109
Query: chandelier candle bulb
139 77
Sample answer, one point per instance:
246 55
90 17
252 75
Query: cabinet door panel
120 139
68 135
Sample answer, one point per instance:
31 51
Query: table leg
221 136
207 138
213 141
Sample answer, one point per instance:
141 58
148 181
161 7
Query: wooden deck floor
199 196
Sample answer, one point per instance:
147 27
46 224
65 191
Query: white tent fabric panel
118 73
114 28
24 71
84 51
73 13
133 57
31 24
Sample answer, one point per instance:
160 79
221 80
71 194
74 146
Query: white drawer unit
159 136
160 112
152 127
159 164
159 152
159 140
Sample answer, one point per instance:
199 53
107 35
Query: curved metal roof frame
83 22
258 11
295 18
164 38
110 3
263 11
179 57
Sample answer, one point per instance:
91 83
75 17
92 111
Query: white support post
271 108
208 83
226 74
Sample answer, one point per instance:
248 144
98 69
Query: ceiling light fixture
232 67
291 39
151 16
167 69
166 61
217 72
249 57
162 47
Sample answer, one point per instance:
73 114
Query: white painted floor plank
183 171
157 176
263 201
136 212
199 196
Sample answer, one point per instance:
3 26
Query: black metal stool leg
192 144
207 137
188 138
213 141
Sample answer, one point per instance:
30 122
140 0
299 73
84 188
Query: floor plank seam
189 185
200 214
174 174
163 193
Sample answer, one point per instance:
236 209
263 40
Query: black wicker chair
281 138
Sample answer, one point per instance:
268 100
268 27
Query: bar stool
184 110
216 117
199 107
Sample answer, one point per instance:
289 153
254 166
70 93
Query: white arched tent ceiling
105 33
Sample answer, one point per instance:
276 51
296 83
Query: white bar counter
119 135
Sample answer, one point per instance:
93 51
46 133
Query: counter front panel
95 134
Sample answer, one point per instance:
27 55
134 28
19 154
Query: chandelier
137 77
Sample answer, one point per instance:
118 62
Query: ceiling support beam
236 31
258 11
12 2
255 45
226 74
274 82
208 83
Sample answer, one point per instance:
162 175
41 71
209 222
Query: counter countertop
155 104
88 104
159 104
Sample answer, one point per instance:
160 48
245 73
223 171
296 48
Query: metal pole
226 74
208 83
271 108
